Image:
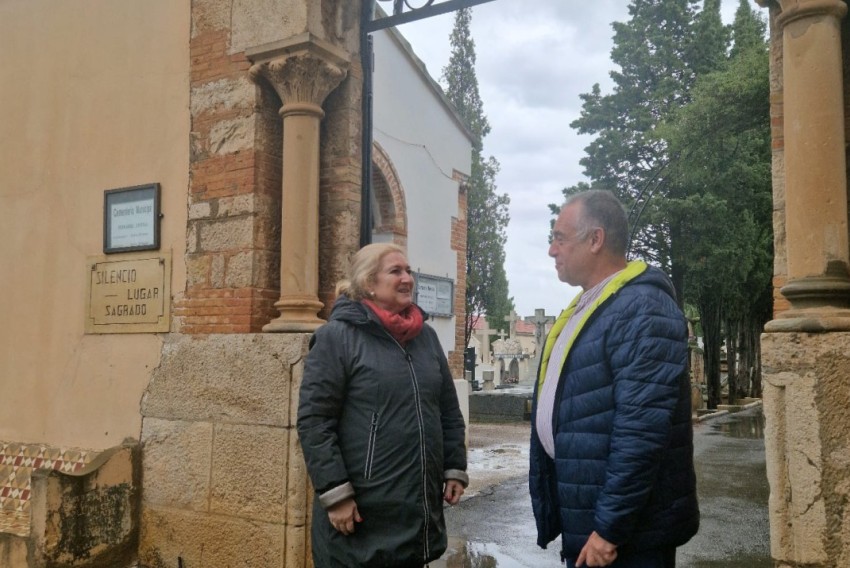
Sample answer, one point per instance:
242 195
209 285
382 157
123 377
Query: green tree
709 41
720 143
683 139
487 211
658 51
748 30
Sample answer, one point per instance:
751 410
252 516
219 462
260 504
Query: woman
379 422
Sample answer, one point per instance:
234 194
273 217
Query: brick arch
388 204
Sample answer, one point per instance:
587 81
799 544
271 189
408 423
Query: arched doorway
389 212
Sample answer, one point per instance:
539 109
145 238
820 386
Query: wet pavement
493 526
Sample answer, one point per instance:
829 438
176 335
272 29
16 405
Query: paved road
493 526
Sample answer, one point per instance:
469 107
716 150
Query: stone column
806 350
818 285
303 71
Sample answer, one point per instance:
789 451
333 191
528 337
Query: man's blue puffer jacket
622 423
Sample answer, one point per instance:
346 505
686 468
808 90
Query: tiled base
15 522
17 462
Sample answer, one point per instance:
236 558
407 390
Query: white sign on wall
435 294
131 219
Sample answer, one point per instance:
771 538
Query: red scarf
404 325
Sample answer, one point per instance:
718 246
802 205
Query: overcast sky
535 57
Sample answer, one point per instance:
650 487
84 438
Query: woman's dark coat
623 462
381 423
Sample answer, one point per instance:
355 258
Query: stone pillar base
806 394
287 326
224 480
297 315
813 320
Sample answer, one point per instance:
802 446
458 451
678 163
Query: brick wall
233 229
458 243
780 268
339 178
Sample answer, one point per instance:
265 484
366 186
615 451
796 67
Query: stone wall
339 190
233 229
807 403
224 477
806 376
233 239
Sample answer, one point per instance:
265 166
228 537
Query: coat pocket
370 447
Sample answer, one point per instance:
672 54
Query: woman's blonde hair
364 270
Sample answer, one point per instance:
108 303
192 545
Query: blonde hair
364 270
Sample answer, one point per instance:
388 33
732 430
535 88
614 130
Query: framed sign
131 218
435 294
129 293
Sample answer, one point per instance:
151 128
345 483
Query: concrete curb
724 409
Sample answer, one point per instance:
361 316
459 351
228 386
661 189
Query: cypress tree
487 211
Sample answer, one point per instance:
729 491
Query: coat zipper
425 506
370 448
422 455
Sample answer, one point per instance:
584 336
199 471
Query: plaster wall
413 123
93 96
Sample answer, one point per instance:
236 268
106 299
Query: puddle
489 467
749 426
475 555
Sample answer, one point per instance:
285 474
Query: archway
389 211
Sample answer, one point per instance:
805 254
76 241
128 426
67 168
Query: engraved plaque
129 294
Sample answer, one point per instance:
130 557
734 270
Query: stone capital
303 70
792 10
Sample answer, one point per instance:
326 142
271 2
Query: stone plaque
129 294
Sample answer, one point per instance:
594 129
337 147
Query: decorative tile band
17 462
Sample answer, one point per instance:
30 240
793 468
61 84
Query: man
611 466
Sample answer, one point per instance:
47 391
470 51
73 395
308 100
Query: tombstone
498 358
540 319
475 343
469 360
510 354
512 318
489 383
513 371
484 336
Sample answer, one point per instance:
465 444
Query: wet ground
493 527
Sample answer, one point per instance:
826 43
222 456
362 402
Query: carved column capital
302 70
793 10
